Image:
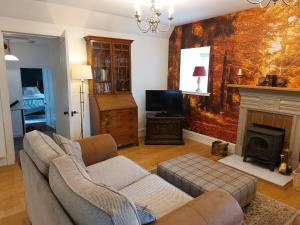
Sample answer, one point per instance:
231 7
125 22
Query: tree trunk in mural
229 100
209 100
221 28
208 41
174 59
224 72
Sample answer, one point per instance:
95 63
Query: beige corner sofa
58 192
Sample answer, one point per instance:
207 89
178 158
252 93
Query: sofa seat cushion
117 172
41 149
156 194
86 202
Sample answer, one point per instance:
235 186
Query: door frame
9 152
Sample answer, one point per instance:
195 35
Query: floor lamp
82 73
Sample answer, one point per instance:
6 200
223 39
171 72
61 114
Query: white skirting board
236 161
207 140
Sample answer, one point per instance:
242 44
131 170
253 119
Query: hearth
264 144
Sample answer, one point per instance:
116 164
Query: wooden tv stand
163 129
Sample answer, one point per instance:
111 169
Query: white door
61 86
49 97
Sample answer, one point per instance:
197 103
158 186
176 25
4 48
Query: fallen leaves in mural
258 41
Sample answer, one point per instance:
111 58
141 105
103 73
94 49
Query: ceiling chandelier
266 3
153 22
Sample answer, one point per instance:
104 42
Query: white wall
149 69
149 53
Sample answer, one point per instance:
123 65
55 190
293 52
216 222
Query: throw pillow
72 148
145 215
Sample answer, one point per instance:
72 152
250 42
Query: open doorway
37 84
38 99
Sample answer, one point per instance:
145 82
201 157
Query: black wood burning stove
264 144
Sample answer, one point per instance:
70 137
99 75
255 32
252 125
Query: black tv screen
164 100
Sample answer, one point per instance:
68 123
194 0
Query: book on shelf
103 87
107 87
98 89
101 75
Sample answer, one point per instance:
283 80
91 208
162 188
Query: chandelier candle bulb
137 10
171 12
158 5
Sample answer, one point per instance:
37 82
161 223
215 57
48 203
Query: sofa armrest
98 148
211 208
297 220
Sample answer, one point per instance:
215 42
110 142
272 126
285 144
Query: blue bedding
33 101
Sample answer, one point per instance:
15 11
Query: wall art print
258 41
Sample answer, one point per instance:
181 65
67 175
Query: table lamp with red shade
199 72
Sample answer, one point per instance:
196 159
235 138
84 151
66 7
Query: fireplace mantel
267 88
275 100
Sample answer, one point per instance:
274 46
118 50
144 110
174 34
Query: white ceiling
185 10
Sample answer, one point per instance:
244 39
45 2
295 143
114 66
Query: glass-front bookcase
113 109
111 64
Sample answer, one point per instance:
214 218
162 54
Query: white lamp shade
11 58
81 72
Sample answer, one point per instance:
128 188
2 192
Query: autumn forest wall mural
258 41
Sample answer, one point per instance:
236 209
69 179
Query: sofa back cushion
87 202
42 206
41 149
72 148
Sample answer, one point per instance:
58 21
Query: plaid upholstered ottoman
195 175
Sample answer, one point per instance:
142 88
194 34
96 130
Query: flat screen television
164 101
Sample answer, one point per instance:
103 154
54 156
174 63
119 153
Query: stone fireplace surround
277 107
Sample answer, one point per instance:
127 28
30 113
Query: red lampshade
199 71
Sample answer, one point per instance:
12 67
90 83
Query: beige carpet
267 211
